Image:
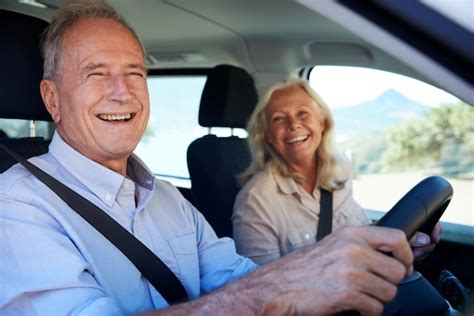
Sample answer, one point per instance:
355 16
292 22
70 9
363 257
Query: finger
391 240
378 287
420 239
365 304
436 233
316 303
421 252
386 267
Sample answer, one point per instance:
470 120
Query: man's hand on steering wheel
422 244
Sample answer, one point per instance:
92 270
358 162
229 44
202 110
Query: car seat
228 99
22 69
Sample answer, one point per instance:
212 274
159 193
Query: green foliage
365 152
433 139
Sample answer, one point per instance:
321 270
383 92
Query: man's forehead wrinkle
138 66
92 66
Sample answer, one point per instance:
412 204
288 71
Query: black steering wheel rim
420 208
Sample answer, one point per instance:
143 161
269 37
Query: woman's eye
277 119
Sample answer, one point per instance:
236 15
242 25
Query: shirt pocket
184 249
300 237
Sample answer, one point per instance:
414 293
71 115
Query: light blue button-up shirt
52 262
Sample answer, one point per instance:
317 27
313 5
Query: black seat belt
325 214
152 268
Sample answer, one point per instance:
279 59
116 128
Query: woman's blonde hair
263 153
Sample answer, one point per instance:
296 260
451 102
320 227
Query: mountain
386 110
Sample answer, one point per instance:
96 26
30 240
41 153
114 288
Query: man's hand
422 244
345 271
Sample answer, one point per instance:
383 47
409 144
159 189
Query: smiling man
98 95
54 263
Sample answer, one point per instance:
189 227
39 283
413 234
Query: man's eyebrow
138 66
92 67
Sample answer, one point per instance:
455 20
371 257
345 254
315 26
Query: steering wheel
419 210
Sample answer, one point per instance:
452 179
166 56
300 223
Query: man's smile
115 117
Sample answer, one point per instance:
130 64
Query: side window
397 130
173 125
12 128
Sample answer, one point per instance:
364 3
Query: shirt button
108 197
306 236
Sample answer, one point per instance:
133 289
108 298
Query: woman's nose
293 123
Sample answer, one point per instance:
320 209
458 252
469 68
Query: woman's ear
268 137
49 93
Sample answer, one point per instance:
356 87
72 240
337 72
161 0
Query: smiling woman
293 161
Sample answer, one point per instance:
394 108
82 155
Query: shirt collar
101 181
287 185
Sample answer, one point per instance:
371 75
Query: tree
426 139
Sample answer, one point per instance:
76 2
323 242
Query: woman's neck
309 172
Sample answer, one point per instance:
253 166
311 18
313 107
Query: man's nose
118 89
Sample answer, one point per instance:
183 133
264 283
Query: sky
345 86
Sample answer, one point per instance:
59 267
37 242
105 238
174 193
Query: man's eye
96 74
137 74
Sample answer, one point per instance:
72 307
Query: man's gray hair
65 17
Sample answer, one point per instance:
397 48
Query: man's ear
49 93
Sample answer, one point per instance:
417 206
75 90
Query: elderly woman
277 210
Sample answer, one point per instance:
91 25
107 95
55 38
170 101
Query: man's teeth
297 139
115 117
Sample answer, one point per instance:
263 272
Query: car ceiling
272 39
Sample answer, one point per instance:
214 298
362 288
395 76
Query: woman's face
294 126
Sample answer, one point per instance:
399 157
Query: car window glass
173 125
397 130
13 128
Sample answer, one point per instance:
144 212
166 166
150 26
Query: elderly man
55 263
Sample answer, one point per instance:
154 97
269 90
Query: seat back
22 70
214 163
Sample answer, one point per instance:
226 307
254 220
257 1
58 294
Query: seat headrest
22 67
228 98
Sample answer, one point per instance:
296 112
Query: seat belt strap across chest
325 214
151 267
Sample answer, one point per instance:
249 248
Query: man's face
100 101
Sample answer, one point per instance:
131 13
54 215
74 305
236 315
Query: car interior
240 48
20 95
214 162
